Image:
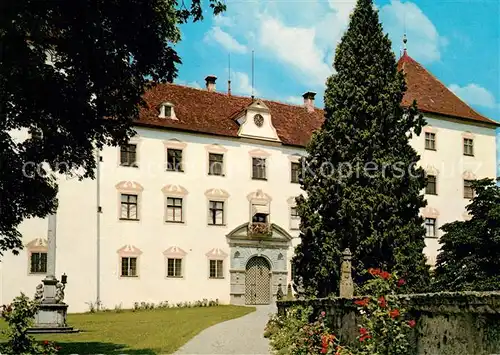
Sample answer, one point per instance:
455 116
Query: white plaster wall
449 161
76 233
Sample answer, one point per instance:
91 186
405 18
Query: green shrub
19 317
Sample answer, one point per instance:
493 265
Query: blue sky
294 44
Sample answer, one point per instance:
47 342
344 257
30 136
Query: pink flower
401 282
412 323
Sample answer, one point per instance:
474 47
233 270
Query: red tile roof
212 112
432 95
207 112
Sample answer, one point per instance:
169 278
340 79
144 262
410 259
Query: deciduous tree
469 258
66 66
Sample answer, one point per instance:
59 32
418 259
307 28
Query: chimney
309 100
210 81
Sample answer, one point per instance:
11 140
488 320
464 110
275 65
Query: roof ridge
241 96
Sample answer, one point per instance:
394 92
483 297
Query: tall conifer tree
360 176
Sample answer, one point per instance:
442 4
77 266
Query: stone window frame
129 251
469 136
129 188
216 149
432 130
432 213
37 245
292 204
218 195
217 254
174 252
175 191
175 143
432 171
259 154
136 140
294 159
162 112
468 176
259 197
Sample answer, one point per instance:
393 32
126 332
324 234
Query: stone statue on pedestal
39 293
59 297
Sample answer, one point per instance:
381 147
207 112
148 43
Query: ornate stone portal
257 262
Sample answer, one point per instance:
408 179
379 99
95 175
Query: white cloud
242 84
424 42
302 36
295 46
296 100
223 21
225 40
474 94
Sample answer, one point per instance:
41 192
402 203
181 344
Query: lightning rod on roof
229 74
253 74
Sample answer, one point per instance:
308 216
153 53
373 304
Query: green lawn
159 331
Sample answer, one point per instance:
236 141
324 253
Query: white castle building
200 203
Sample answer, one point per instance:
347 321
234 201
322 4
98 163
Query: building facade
200 203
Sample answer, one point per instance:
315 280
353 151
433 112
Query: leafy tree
363 188
66 66
469 258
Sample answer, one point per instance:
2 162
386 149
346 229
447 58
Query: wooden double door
258 281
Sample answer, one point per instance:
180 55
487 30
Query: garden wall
448 323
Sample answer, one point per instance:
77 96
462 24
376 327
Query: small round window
259 120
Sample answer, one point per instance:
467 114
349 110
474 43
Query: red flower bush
383 317
394 313
362 303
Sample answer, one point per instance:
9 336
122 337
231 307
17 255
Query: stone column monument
51 316
346 283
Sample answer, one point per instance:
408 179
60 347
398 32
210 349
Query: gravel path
242 336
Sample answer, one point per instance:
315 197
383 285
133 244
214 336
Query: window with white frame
468 146
468 190
174 267
430 141
216 213
216 269
259 168
128 266
430 188
430 227
129 206
174 160
128 155
174 209
216 164
38 262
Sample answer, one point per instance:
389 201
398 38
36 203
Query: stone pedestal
51 315
51 318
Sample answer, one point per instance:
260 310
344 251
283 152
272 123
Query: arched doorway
258 281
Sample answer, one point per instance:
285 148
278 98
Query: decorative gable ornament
129 250
174 190
37 244
174 252
216 253
217 193
129 186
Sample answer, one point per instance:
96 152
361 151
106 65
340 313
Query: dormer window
167 111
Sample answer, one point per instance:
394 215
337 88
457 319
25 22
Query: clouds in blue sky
294 44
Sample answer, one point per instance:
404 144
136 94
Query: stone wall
448 323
